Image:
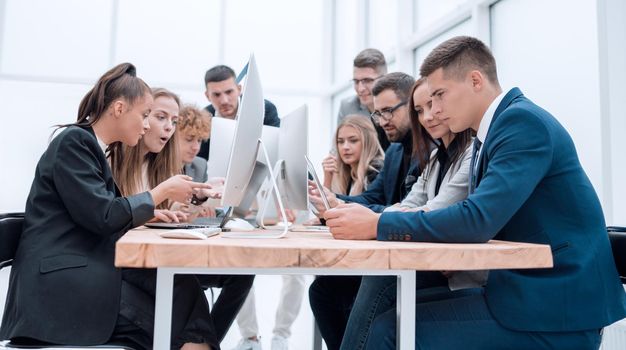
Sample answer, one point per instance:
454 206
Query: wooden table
314 254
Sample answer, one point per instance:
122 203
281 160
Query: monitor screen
248 128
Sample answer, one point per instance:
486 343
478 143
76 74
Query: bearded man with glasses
332 297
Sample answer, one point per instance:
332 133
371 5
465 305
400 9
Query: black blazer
271 119
64 287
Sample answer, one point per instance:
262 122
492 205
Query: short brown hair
194 122
459 55
400 83
371 58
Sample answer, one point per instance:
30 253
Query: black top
444 158
271 119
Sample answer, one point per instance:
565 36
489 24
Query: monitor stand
269 187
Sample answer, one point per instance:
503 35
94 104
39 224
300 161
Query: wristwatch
198 201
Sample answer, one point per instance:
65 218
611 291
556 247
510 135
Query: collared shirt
102 145
485 123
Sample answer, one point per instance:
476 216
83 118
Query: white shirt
103 145
485 123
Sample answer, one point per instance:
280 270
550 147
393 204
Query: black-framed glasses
386 113
364 81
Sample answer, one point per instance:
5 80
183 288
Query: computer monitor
222 136
242 161
293 144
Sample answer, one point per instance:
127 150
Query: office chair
10 231
617 236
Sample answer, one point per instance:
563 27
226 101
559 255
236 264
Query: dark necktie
473 165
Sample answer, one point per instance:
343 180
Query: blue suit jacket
382 192
531 188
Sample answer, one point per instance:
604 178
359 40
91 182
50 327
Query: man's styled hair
459 55
400 83
371 58
218 73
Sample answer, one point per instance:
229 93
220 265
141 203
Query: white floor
267 289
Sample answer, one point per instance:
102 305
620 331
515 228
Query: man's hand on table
352 221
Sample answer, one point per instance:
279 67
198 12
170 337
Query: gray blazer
351 105
197 170
453 186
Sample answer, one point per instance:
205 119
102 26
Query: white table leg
405 311
317 337
163 309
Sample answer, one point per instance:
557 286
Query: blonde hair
194 122
127 171
371 153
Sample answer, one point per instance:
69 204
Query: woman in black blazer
64 288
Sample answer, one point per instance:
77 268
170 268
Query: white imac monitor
222 135
292 147
248 128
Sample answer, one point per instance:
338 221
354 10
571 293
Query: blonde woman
360 157
155 158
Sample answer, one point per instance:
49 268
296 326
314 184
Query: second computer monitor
293 143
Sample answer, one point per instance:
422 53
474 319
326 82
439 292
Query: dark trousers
191 318
331 299
461 320
235 289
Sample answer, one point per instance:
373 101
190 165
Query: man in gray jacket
369 65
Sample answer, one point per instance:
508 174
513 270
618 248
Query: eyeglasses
364 81
386 113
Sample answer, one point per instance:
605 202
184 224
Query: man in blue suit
526 185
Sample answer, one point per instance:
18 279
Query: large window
555 66
464 28
172 46
65 39
427 12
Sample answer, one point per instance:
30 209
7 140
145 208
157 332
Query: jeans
461 320
376 295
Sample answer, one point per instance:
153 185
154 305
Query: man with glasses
332 297
368 66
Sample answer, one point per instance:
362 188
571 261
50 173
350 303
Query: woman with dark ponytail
64 288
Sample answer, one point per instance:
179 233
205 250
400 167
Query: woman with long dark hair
64 287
